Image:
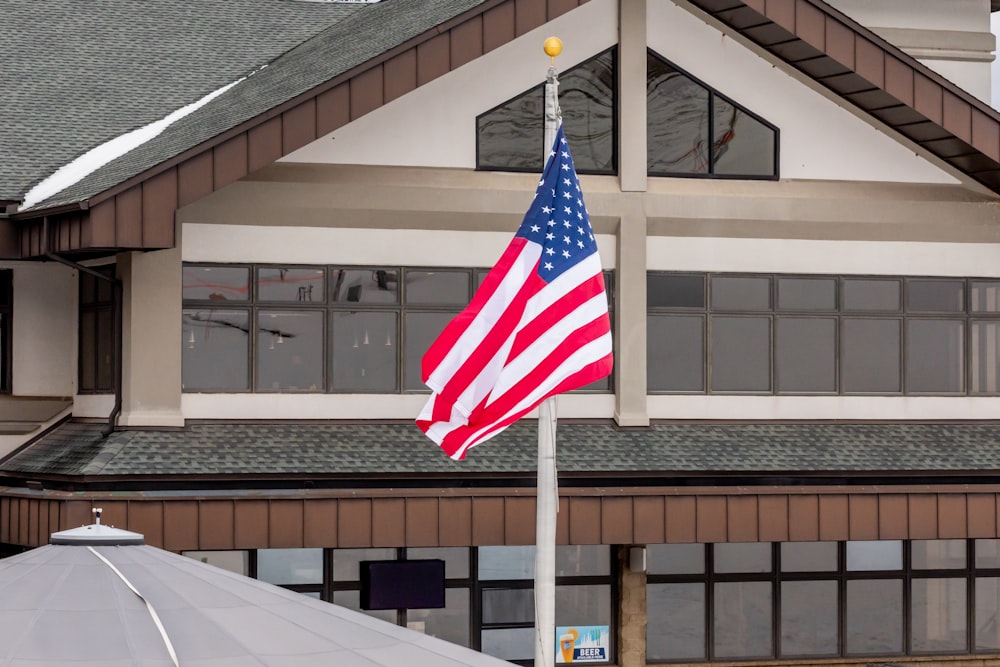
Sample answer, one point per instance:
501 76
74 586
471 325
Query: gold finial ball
552 46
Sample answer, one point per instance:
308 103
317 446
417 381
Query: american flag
537 326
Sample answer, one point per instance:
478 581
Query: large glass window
778 334
510 136
316 329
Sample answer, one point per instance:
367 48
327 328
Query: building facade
216 335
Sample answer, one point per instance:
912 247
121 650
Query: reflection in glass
352 600
675 352
741 293
215 350
938 612
421 330
742 619
870 356
984 356
806 351
364 351
508 605
984 296
675 558
935 296
807 294
583 560
509 643
456 559
346 562
937 554
510 136
234 561
290 350
290 566
216 283
743 557
874 616
675 621
364 286
935 357
675 291
987 554
437 287
865 295
741 354
677 121
808 618
583 605
450 624
742 145
808 556
987 614
513 562
874 555
290 284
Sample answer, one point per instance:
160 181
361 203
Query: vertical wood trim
986 134
433 58
893 517
388 522
682 519
146 517
333 109
194 179
773 518
422 522
982 521
216 525
22 521
180 525
366 92
466 42
742 519
5 520
128 218
319 517
455 522
528 15
498 26
251 525
863 517
487 521
298 126
649 520
952 516
803 518
159 202
33 527
809 24
923 516
400 74
711 518
584 520
834 518
264 144
616 520
557 8
229 160
76 513
354 523
519 520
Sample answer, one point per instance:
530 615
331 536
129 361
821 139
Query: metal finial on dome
97 535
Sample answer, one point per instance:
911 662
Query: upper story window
510 137
97 336
6 347
693 130
782 334
316 329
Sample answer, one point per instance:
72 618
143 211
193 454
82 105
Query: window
781 334
96 347
692 130
809 600
510 136
6 311
316 329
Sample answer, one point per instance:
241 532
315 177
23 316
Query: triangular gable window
682 113
510 136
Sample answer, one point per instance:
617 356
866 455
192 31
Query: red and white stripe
519 341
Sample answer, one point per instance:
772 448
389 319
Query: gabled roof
351 60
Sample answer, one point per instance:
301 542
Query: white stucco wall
44 329
435 124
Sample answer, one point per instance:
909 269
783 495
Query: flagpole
547 495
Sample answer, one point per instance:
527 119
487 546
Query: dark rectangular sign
402 584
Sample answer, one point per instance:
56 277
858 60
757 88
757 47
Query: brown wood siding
424 519
298 126
264 144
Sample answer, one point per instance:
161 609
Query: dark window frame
95 305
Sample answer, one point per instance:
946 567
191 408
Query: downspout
116 298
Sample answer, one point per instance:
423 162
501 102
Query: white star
579 230
565 239
547 209
565 167
551 223
548 266
567 224
567 195
580 244
567 181
579 202
579 214
549 236
565 154
563 140
568 210
566 254
541 183
550 251
535 228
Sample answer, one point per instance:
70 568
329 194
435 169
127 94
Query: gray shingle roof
83 74
332 449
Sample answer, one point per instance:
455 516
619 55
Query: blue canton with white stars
557 219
